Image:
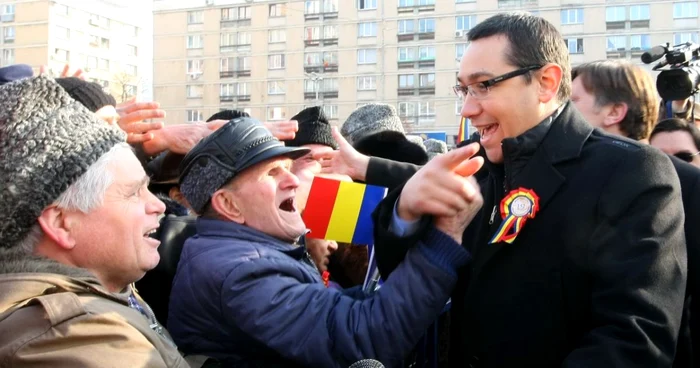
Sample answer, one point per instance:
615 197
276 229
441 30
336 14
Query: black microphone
656 53
367 363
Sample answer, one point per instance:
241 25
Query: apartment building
105 38
273 58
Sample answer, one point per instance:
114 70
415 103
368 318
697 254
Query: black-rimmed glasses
481 89
686 156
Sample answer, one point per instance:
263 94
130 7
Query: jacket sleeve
637 263
319 327
387 173
90 341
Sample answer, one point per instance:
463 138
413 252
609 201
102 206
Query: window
275 61
91 62
329 84
366 56
94 40
405 3
405 26
330 58
129 90
616 43
61 9
426 80
367 29
465 22
277 35
407 109
685 10
7 13
227 39
194 66
243 63
460 48
426 52
275 88
331 111
426 25
679 38
226 89
244 12
243 89
277 10
244 38
194 116
195 17
330 6
8 57
367 83
8 34
366 4
571 16
131 30
407 54
104 43
575 45
426 108
458 107
640 42
639 12
464 1
330 32
194 42
131 50
312 7
62 33
99 21
276 113
228 14
311 85
103 64
131 69
313 58
406 81
313 33
194 91
61 54
615 14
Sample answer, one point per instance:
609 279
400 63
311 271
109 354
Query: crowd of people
560 234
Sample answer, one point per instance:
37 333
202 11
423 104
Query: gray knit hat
370 119
435 147
47 141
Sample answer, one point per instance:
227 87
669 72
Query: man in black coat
579 252
620 98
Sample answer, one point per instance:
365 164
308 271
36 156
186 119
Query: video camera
680 69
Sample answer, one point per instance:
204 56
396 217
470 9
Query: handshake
445 189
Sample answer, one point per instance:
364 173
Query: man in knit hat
376 130
435 147
75 219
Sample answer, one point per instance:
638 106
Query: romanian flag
461 135
342 211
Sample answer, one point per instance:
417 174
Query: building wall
589 36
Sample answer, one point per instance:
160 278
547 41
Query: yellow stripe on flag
341 227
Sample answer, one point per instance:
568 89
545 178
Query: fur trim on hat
392 146
370 119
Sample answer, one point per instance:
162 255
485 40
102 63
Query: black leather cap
218 158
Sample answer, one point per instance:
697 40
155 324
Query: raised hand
344 161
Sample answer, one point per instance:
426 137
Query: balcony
321 95
234 73
514 4
232 98
615 25
418 64
231 23
321 68
419 8
643 23
321 42
416 91
321 16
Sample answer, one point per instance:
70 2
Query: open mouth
486 131
288 205
150 233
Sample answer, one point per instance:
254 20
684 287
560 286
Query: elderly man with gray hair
75 220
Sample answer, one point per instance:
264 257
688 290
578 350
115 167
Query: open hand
345 160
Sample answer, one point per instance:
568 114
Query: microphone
367 363
656 53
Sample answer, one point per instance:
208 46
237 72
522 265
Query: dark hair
532 41
675 125
228 115
617 81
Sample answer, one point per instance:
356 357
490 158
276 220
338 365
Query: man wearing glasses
579 256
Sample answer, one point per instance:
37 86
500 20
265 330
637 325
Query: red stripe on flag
319 206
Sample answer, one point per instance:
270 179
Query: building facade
273 58
106 39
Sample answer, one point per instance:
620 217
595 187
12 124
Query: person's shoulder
611 143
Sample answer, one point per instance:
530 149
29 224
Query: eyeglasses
481 89
686 156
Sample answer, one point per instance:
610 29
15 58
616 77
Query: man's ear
615 114
549 79
224 203
57 224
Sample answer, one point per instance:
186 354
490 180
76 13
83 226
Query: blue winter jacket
249 299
